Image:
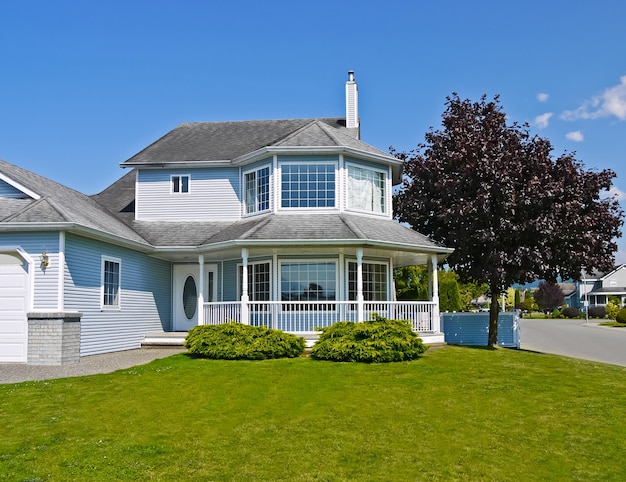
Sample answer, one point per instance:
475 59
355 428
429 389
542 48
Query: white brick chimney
352 106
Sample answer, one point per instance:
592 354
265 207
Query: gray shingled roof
285 228
227 141
58 203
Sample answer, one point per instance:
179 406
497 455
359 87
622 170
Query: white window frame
336 199
118 304
256 171
313 261
364 262
180 178
251 264
385 176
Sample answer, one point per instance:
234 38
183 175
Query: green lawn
455 414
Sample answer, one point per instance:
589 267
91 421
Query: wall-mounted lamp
45 261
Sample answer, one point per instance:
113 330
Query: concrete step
174 338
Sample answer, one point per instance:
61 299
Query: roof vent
352 105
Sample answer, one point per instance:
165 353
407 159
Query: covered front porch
304 314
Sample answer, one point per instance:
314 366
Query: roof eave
78 229
270 150
188 164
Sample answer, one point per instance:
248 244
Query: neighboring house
596 288
282 223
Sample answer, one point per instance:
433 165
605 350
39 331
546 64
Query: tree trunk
494 310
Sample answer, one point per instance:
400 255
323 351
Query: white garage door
13 306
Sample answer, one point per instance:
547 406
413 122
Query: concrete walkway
88 365
575 338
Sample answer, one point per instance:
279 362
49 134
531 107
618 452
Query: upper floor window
111 282
308 185
366 189
257 190
180 184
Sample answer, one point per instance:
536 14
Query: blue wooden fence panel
473 329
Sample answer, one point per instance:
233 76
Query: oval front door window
190 298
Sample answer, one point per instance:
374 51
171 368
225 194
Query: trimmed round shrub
236 341
571 312
375 341
597 312
621 316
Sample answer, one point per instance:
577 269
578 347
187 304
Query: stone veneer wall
53 338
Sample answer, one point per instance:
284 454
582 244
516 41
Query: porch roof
614 290
290 230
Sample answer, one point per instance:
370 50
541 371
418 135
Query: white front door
14 290
186 286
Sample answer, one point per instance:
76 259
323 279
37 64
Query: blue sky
84 85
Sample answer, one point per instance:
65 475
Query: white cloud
615 192
542 120
542 97
612 102
575 136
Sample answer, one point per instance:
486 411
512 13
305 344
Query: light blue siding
145 296
45 290
213 195
230 280
473 329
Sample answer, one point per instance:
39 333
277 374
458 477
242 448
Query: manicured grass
455 414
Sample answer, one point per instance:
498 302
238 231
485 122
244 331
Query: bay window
366 189
257 190
308 185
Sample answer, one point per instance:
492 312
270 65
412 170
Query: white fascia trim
312 150
20 187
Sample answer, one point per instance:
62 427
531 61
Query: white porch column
201 289
436 325
359 285
245 298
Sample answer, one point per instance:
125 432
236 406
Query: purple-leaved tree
513 213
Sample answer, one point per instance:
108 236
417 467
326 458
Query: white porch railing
307 316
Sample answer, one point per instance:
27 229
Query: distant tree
470 291
549 295
512 213
518 299
529 303
509 300
449 296
411 283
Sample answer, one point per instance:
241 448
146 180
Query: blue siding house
281 223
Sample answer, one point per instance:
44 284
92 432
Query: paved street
576 339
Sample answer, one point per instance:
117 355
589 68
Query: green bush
611 310
375 341
621 316
571 312
236 341
556 313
